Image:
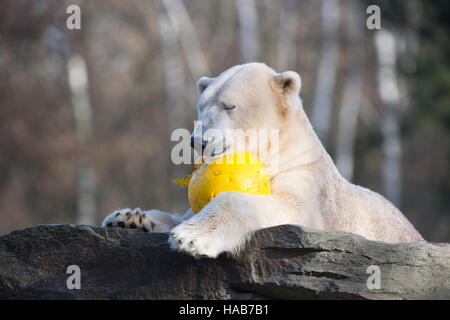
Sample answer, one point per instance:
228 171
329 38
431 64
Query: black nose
204 143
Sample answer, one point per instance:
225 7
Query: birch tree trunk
173 71
174 77
385 44
78 83
249 35
185 32
182 26
350 105
221 42
287 49
325 83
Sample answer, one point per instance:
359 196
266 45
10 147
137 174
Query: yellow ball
241 172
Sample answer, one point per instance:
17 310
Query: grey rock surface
283 262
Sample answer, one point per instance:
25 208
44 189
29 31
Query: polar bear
307 188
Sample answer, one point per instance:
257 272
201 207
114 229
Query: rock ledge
283 262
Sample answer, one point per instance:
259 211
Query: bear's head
244 101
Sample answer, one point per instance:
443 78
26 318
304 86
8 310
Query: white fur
306 188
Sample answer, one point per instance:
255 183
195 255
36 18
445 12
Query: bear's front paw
197 239
131 219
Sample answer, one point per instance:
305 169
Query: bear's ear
203 83
289 82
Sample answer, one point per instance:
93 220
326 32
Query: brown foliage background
130 146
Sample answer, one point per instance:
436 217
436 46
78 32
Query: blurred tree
249 35
287 50
181 23
385 44
350 104
326 74
78 83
